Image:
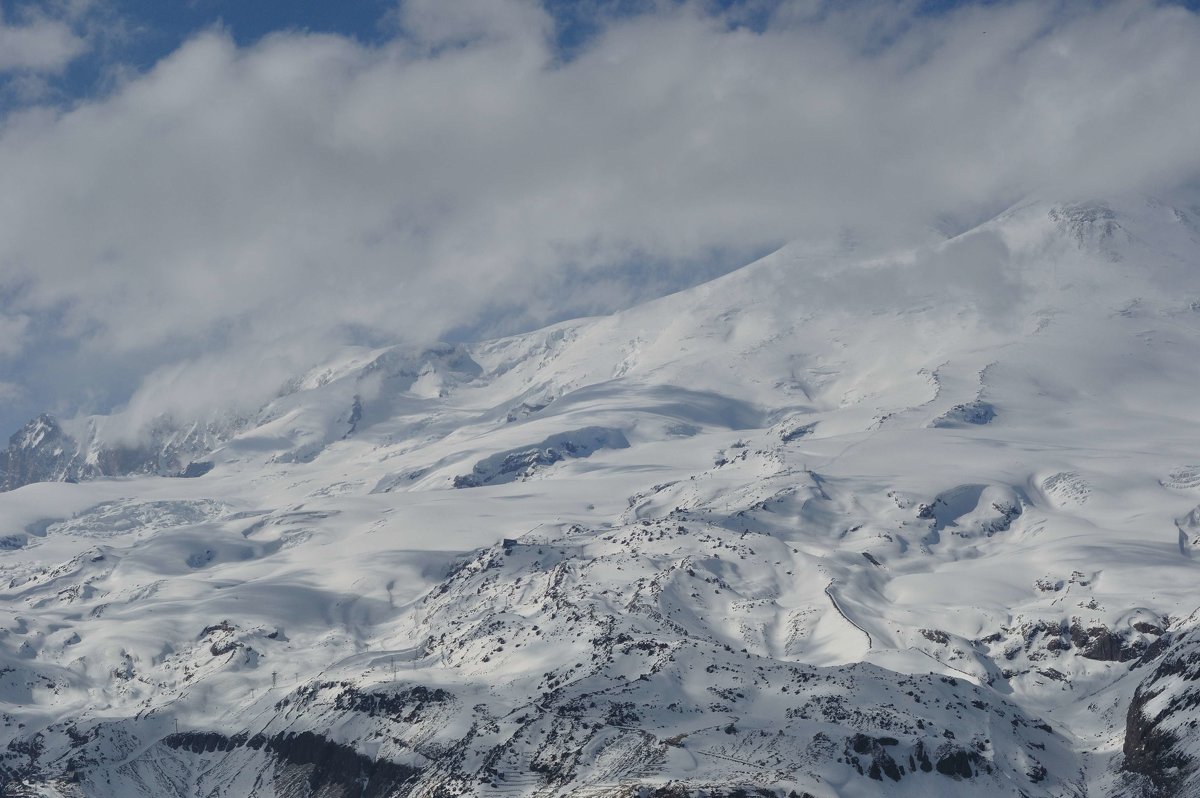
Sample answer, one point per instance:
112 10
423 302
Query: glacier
838 523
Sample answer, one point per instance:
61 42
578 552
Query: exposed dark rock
1148 747
881 763
959 763
622 713
1103 644
407 705
223 626
356 414
196 469
1154 745
797 432
42 451
520 464
971 413
936 636
334 770
1153 651
1148 628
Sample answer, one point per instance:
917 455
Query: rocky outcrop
974 413
307 764
43 451
519 464
1161 738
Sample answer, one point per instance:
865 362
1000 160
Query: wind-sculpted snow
831 525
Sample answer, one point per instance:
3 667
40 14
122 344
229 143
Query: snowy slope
837 523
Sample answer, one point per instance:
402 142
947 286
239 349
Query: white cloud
41 45
233 202
14 332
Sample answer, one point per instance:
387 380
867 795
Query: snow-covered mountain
46 450
836 524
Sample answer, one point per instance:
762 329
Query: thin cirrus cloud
236 206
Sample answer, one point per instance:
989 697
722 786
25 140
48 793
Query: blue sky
145 31
196 210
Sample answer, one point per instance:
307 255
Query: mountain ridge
827 525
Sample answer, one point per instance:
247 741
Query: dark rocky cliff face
1161 735
308 764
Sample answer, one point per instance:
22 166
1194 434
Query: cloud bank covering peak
207 227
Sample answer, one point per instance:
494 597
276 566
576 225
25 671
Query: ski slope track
835 524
